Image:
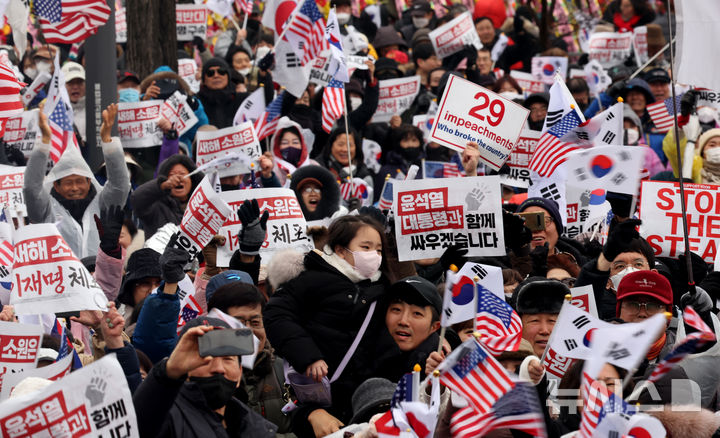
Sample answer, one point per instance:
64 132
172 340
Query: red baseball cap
648 283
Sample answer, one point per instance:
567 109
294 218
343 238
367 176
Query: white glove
692 129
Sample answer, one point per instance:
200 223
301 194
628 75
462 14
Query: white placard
137 123
19 346
240 138
640 45
520 157
527 82
286 224
54 371
454 35
205 213
432 214
23 131
191 21
610 48
396 95
471 113
177 111
187 69
120 25
11 186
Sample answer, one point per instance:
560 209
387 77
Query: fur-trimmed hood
687 423
284 266
330 201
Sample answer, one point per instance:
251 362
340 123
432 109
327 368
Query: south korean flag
613 168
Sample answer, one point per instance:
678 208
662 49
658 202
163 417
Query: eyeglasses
637 264
651 307
220 71
308 190
548 220
254 322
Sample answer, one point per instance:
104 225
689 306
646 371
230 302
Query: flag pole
653 58
683 208
347 141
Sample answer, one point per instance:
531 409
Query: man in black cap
422 16
538 302
659 81
192 396
413 314
538 105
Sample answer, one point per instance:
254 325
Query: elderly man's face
72 187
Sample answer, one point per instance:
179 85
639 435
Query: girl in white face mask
708 147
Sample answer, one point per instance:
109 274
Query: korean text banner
432 214
91 402
205 214
610 48
11 185
19 345
55 371
396 95
471 113
191 21
137 123
286 226
47 277
22 131
662 219
238 138
454 35
520 157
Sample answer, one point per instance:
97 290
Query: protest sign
396 95
545 67
527 82
520 157
662 219
191 21
640 45
11 186
177 111
235 139
137 123
187 69
285 227
205 214
610 48
47 277
320 72
432 214
454 35
19 346
92 401
587 210
6 262
120 26
35 87
705 98
54 371
583 297
21 132
469 112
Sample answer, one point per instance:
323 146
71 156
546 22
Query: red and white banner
471 113
48 277
54 371
187 70
396 95
662 219
432 214
137 123
527 82
519 158
205 213
11 186
610 48
120 26
235 139
22 132
177 111
454 35
92 401
190 21
640 45
19 345
285 226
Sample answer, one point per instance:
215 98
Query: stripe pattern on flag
594 395
386 197
10 101
244 6
79 19
662 113
265 125
62 130
6 253
332 104
500 327
306 32
551 151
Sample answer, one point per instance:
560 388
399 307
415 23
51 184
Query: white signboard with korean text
520 157
177 111
204 215
454 35
610 48
22 132
191 21
239 138
137 123
11 186
396 95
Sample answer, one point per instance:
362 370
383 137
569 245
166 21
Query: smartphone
226 342
535 221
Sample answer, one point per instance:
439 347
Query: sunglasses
220 71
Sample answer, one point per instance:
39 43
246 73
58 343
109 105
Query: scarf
710 172
625 26
656 348
76 207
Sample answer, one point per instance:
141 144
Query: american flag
519 409
551 151
10 101
306 32
6 253
386 197
500 327
438 169
404 391
358 189
190 310
688 345
62 130
66 346
266 124
662 113
595 395
70 21
473 373
332 103
244 5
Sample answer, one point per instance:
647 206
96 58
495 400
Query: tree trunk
151 37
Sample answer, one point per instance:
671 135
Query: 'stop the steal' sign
471 113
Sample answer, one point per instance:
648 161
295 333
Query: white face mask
343 18
244 71
712 155
706 114
420 22
31 72
615 279
355 103
43 66
633 135
261 52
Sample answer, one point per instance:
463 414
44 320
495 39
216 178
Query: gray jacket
42 207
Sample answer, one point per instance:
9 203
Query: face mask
367 263
434 90
31 73
43 66
261 52
291 155
129 95
420 22
615 279
343 18
216 389
712 155
355 102
244 71
633 135
410 154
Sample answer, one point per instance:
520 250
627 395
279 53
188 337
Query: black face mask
216 389
410 154
536 126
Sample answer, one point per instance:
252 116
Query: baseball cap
420 8
648 283
73 70
657 75
417 290
124 75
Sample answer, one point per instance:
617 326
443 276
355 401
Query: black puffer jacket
153 205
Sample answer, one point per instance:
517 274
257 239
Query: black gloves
199 44
516 233
453 255
109 226
267 62
539 257
172 261
688 102
620 237
254 227
616 89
